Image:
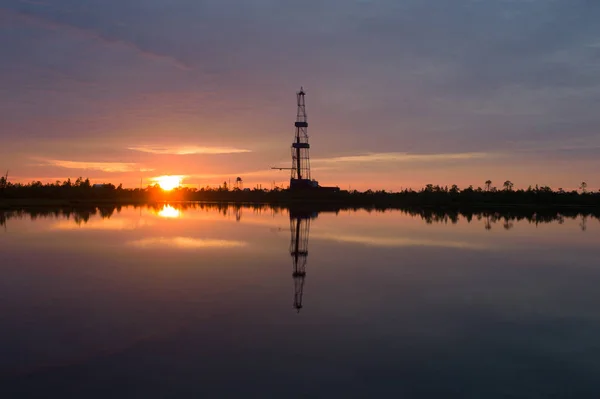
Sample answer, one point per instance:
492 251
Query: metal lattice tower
300 148
299 227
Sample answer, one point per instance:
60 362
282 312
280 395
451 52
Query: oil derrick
300 177
299 227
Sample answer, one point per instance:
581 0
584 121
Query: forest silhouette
81 190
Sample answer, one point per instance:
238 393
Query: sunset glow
168 183
179 106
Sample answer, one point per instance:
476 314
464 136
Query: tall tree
4 181
488 185
508 185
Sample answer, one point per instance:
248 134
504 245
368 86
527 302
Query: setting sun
168 182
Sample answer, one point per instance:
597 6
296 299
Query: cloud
589 143
185 243
405 157
188 150
109 167
48 23
168 178
257 174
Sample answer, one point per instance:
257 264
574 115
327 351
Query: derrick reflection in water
299 229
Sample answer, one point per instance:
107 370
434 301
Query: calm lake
200 301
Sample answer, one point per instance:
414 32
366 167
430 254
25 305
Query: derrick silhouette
300 178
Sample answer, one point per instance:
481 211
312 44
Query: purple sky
399 93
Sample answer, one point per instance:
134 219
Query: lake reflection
201 300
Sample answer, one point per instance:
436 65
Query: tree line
431 195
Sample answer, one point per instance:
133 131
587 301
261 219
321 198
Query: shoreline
316 204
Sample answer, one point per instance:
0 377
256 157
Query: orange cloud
188 150
405 157
109 167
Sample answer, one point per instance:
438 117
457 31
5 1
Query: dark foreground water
209 302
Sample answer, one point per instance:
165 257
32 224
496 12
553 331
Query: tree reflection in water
506 217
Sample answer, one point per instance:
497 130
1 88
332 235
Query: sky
399 93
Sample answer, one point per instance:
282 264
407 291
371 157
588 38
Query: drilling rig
300 179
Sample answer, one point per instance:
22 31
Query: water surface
214 302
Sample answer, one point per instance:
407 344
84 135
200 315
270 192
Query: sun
168 183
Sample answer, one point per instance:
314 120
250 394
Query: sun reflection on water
169 212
